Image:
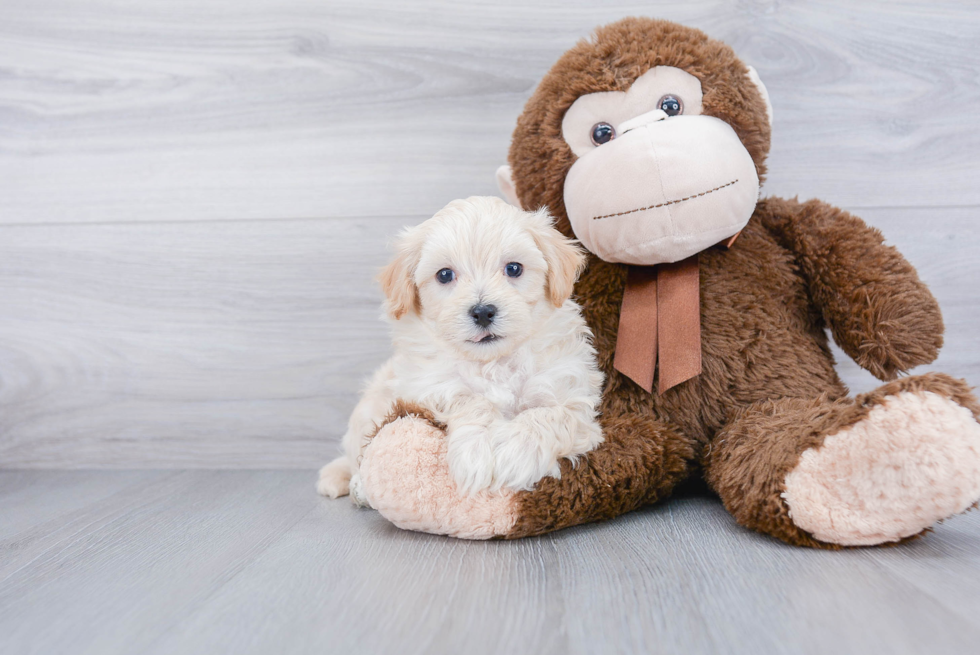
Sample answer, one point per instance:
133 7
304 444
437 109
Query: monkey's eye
602 133
445 276
671 105
513 269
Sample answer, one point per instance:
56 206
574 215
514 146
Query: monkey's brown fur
768 390
406 409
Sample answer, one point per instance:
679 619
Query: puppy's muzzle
483 314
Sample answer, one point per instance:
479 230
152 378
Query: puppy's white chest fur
502 383
438 384
553 367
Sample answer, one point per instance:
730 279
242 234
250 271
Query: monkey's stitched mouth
669 202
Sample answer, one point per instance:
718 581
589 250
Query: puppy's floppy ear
397 278
564 257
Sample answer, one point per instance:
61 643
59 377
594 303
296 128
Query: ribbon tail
636 340
678 322
730 241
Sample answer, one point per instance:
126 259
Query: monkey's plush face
654 180
647 141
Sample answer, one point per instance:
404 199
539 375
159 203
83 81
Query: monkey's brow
669 202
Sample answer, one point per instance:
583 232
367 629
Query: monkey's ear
505 181
397 278
564 257
754 77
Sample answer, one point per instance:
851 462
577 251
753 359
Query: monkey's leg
406 478
878 468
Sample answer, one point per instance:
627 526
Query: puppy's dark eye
602 133
445 276
513 269
671 105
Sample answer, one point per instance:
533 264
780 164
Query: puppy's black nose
483 314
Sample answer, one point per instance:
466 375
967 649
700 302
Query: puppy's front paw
470 458
357 495
520 461
334 478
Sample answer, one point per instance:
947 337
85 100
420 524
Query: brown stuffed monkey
709 307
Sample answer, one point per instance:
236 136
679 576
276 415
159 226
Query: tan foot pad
913 461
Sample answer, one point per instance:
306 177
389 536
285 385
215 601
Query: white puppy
486 338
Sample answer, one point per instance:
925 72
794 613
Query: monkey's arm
878 310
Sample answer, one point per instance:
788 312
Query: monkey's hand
878 310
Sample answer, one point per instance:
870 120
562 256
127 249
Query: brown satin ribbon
660 323
636 341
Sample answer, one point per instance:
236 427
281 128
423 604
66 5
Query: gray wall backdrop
194 196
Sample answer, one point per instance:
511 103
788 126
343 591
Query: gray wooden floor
253 562
194 197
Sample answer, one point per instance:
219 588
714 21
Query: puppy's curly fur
518 387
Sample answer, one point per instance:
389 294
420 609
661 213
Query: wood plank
255 562
112 577
697 581
205 344
242 344
257 109
925 565
33 498
101 498
679 577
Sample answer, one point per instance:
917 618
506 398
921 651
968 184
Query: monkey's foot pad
913 461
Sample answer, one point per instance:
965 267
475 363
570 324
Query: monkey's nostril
483 314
